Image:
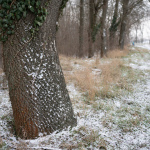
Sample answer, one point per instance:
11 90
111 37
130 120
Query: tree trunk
81 28
123 24
142 35
1 59
136 35
91 13
113 27
37 88
103 29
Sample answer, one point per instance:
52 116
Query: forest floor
110 97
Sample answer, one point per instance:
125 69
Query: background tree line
98 26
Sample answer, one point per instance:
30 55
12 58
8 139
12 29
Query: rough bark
123 23
81 28
103 29
37 88
91 13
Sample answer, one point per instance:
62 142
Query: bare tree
91 12
81 28
68 32
114 26
94 9
128 7
103 29
123 23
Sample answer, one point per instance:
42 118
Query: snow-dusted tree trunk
37 88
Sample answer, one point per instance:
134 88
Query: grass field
110 97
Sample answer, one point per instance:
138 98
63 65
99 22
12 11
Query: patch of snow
72 91
145 46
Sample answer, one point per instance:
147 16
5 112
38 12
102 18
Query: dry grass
143 50
22 146
85 79
3 80
86 137
66 63
117 53
111 76
99 77
1 71
1 143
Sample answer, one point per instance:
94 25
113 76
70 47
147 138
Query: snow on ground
121 123
145 46
144 63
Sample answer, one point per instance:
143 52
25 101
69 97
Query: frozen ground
121 123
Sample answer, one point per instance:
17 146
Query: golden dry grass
111 76
99 77
90 137
66 63
142 50
85 79
117 53
1 71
